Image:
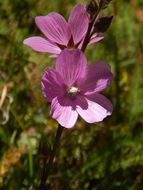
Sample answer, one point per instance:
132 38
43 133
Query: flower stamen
73 90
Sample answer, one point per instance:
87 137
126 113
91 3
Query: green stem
117 70
29 141
30 156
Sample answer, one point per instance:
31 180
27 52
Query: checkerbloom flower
74 88
61 34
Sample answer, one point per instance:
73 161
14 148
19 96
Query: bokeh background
103 156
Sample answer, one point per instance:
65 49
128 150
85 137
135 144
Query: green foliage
104 156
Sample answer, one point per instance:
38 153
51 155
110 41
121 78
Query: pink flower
59 33
74 88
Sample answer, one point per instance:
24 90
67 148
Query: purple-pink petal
97 38
98 78
52 84
71 65
42 45
53 56
102 101
99 107
78 22
55 28
63 112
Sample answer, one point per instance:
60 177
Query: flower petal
98 78
52 84
63 112
78 22
55 27
42 45
99 107
53 56
97 38
71 65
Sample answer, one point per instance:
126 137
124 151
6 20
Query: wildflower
61 34
74 88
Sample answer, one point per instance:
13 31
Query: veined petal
53 56
99 107
71 65
55 27
78 22
93 40
42 45
62 110
52 84
97 38
98 78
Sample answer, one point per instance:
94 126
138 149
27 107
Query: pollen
73 90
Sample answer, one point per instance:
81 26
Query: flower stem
47 167
90 26
86 40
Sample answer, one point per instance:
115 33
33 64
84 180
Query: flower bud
93 7
103 24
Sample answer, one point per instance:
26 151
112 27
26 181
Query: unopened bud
93 7
103 24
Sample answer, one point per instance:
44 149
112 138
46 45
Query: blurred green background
103 156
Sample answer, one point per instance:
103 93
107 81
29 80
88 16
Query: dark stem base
47 168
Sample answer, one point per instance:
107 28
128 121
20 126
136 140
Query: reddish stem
47 168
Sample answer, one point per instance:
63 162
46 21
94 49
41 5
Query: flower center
73 90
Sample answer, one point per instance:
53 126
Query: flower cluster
73 88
